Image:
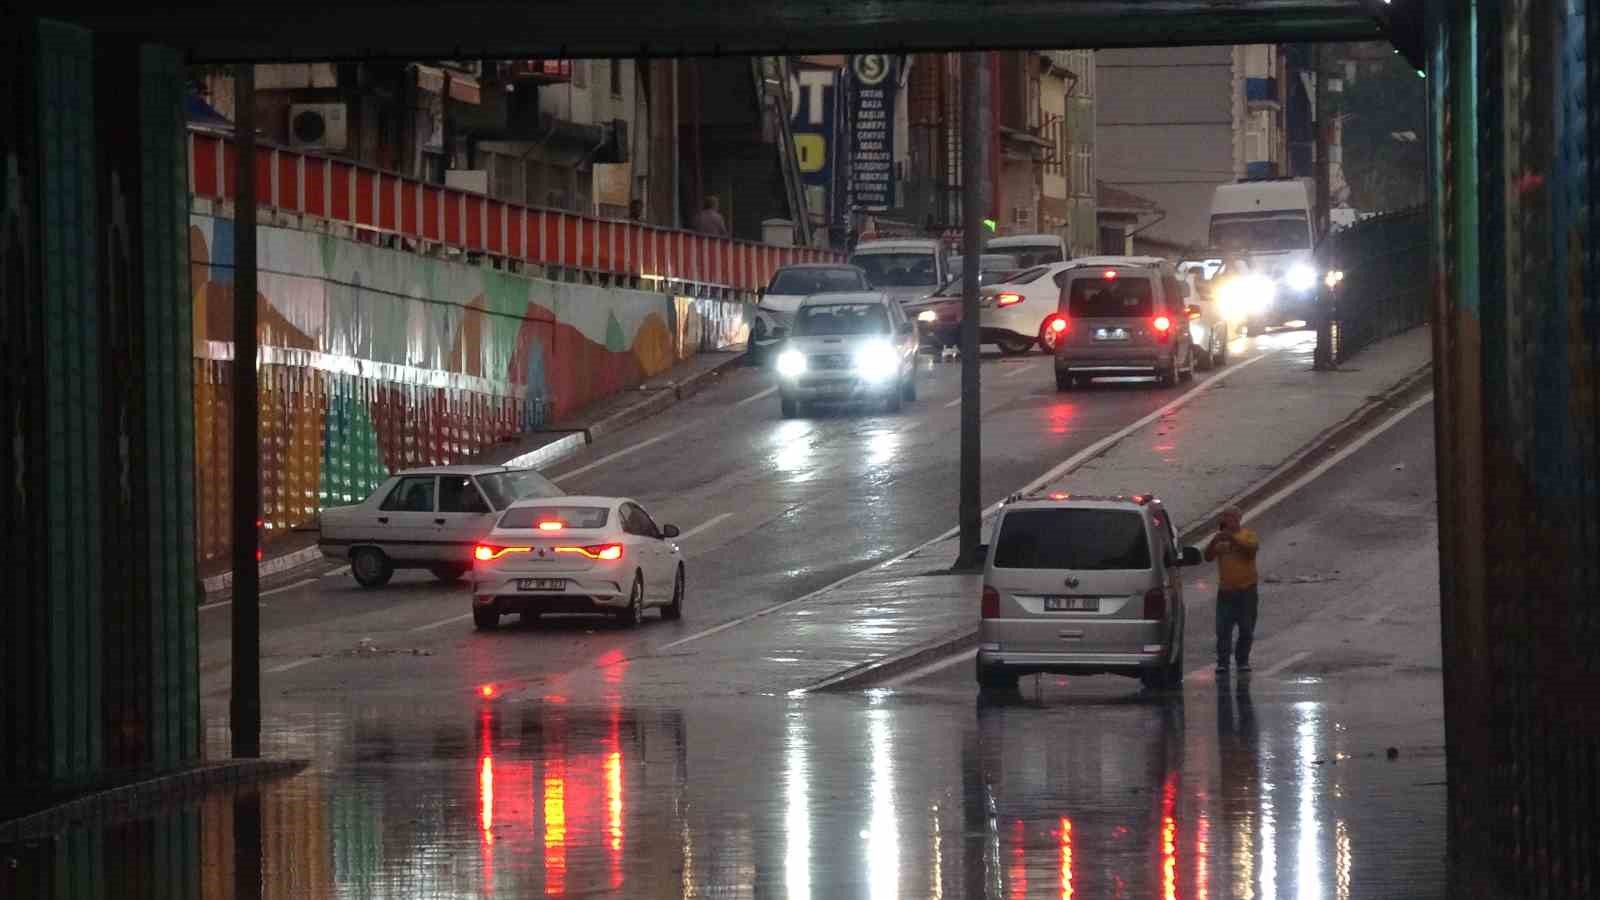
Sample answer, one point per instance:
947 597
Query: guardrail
1384 288
375 203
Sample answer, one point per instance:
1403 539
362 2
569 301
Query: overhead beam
298 30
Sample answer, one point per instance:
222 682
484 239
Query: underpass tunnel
97 638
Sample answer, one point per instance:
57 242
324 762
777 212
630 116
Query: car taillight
1155 603
550 526
1059 324
1163 327
991 603
1007 298
487 553
607 552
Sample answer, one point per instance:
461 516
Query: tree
1385 150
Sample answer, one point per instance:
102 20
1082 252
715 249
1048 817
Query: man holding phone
1234 549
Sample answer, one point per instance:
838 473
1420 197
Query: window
505 488
414 493
790 282
580 73
636 522
616 78
575 517
1077 539
842 318
898 269
457 494
1094 297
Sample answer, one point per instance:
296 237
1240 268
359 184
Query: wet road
771 509
1283 785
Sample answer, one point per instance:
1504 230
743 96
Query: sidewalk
285 555
1246 426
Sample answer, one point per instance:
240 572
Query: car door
1177 311
405 528
647 542
463 518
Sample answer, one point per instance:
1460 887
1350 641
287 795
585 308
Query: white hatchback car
577 555
428 518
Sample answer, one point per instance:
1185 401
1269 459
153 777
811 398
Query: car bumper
1113 364
581 595
841 388
1072 663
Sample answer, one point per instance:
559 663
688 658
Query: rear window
506 488
816 281
1126 296
1081 539
842 318
529 517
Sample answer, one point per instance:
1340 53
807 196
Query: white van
1030 249
1271 223
907 269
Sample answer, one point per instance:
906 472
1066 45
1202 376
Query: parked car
1014 314
938 317
907 269
1083 586
427 518
1122 315
601 555
782 296
848 347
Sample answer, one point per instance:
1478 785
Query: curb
550 453
138 800
1325 443
274 566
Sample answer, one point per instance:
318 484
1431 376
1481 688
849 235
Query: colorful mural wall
374 360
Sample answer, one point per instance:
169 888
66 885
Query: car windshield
1281 232
1098 297
842 318
952 288
506 488
909 269
531 517
1036 254
1078 539
816 281
987 263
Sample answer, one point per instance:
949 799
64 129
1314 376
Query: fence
1384 286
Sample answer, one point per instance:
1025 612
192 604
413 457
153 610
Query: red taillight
486 553
1058 324
1007 299
1110 274
1155 603
1162 324
607 552
550 526
991 603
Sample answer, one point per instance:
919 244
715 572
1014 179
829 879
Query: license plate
541 584
833 390
1111 334
1072 604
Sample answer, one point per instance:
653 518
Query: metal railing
1379 286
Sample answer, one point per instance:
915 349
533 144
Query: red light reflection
555 826
1018 874
1066 858
488 691
1169 841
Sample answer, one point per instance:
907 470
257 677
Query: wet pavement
464 784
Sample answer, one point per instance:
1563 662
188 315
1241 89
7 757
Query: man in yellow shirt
1234 548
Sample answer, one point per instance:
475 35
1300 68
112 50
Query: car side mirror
670 531
1191 556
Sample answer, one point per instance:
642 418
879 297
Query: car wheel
909 391
1168 375
634 613
1065 380
995 679
893 401
1015 346
754 353
674 610
484 618
1187 372
1165 678
371 568
448 573
791 407
1204 360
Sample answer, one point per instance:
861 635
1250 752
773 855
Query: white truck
1271 224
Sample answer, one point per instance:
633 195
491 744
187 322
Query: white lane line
1077 459
442 622
289 587
1285 663
291 665
218 604
1018 370
761 396
342 570
709 523
955 402
1344 452
611 457
922 672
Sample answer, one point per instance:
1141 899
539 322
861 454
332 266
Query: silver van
1083 586
1124 315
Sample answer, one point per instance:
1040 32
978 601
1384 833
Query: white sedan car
577 555
1015 313
427 518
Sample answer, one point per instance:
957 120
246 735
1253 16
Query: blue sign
814 91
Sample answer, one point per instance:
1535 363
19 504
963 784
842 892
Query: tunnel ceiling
468 29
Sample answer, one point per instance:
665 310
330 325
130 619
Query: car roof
579 500
1006 240
845 298
1088 501
819 265
1138 261
897 244
461 470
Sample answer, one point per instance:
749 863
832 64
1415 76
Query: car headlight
927 315
1240 298
877 361
1301 277
1333 278
791 363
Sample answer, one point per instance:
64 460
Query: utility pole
1326 115
244 710
974 112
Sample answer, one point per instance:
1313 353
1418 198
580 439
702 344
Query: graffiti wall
374 360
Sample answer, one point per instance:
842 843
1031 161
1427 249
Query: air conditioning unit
318 126
474 180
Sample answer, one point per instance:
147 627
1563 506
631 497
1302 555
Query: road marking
291 665
443 622
709 523
342 570
289 587
955 402
218 604
922 672
625 451
761 396
1285 663
1344 452
1076 459
1017 369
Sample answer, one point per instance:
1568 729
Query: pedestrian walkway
1230 435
